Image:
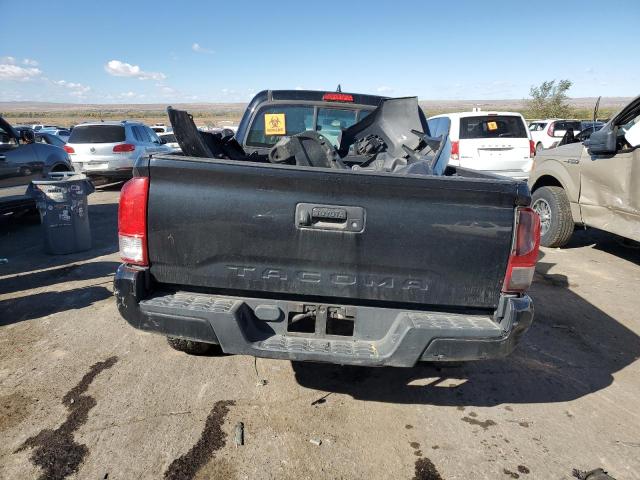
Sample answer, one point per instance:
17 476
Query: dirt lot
84 395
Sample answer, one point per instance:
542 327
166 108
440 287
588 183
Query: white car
161 128
169 139
63 133
494 142
547 133
109 150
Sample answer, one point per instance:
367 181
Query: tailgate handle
329 217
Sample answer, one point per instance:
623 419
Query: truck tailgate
291 232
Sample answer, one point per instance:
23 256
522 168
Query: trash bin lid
57 177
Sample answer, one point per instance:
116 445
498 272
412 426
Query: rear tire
557 224
189 346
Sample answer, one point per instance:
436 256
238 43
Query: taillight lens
532 149
455 150
132 221
524 252
69 149
551 129
337 97
124 147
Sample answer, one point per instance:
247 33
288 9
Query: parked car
170 141
547 133
161 128
591 183
494 142
50 139
21 161
378 266
38 126
63 133
108 150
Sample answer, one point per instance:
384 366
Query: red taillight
455 150
532 148
551 129
524 252
69 149
132 221
337 97
124 147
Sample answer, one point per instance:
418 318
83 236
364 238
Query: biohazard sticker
274 124
492 126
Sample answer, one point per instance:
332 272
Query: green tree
549 100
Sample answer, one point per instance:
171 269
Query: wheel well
546 181
61 167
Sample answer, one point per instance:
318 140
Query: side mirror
633 135
602 141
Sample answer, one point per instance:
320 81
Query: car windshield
492 126
171 138
97 134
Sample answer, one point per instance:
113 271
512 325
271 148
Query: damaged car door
610 177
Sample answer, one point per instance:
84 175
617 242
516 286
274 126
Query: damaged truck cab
359 249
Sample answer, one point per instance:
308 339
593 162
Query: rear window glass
363 114
97 134
492 126
297 119
169 138
566 125
331 122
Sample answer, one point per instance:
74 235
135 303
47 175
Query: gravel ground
84 395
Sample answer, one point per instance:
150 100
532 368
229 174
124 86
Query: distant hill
459 105
221 114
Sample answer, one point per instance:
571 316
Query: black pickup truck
319 260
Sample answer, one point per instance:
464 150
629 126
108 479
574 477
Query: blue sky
150 51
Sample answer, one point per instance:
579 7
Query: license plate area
96 166
321 320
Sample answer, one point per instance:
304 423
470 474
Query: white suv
547 133
110 149
495 142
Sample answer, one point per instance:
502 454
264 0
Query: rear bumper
110 175
381 336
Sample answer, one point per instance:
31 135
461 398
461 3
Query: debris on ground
316 441
597 474
239 434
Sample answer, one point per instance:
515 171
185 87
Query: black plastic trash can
62 203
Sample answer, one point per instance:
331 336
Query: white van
495 142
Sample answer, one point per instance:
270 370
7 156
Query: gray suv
110 149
